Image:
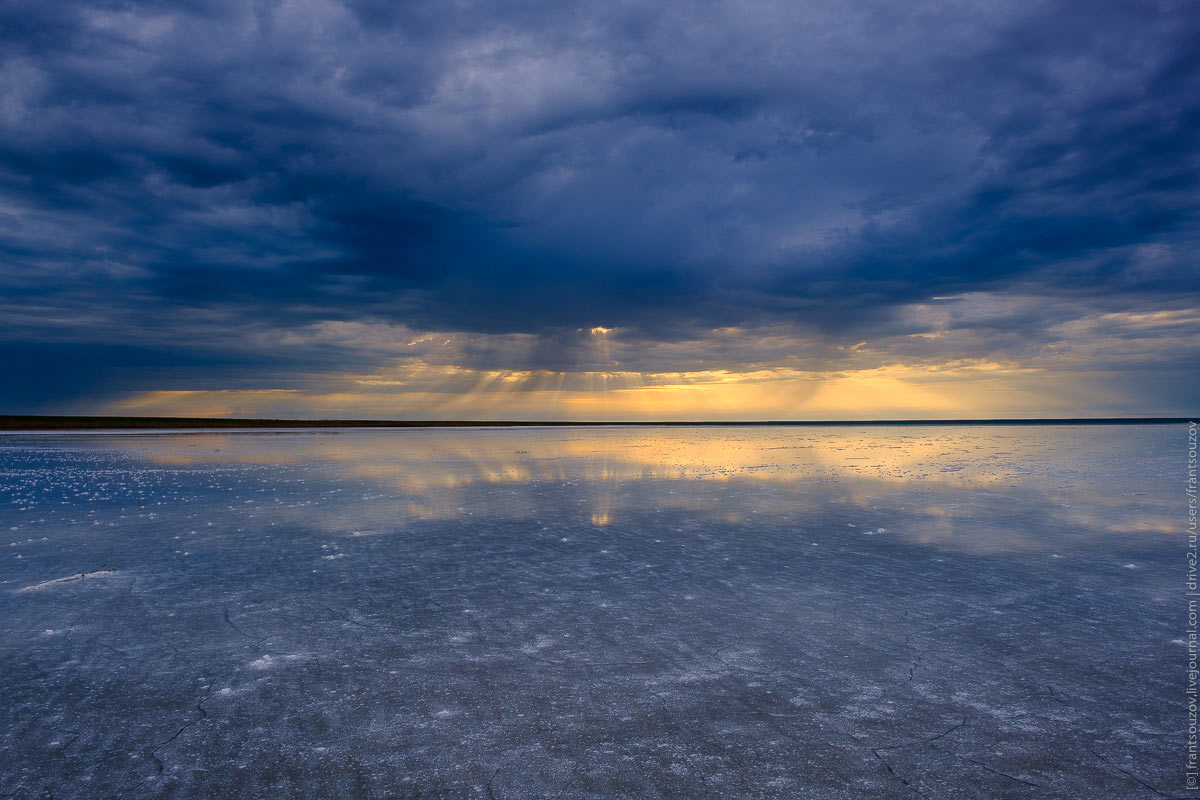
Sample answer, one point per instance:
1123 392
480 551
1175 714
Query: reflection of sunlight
729 474
431 457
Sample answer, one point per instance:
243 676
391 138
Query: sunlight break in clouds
977 355
416 210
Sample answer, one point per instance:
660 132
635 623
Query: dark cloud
545 167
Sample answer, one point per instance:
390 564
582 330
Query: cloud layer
283 196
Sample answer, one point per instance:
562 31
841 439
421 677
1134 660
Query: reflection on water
968 488
731 612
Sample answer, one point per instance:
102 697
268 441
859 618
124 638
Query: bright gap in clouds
956 358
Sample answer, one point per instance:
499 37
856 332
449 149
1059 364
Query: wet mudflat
684 612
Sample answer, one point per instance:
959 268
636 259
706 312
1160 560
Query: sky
600 211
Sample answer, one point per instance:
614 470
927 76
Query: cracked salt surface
988 612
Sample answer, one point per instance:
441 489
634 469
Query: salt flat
594 612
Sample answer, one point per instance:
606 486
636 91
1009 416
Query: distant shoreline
85 423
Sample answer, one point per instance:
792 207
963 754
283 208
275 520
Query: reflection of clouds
617 454
976 488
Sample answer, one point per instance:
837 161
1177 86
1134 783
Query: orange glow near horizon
1083 368
897 392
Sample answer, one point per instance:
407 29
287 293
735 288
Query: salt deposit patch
100 573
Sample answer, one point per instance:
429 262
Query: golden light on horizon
726 373
961 390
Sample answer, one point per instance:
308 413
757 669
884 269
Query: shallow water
641 612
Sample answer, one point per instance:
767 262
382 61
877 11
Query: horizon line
38 422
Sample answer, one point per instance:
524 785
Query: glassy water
639 612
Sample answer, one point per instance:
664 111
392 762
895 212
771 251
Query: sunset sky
600 211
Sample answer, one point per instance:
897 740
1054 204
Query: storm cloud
204 196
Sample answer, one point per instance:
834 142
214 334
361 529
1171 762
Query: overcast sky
600 210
